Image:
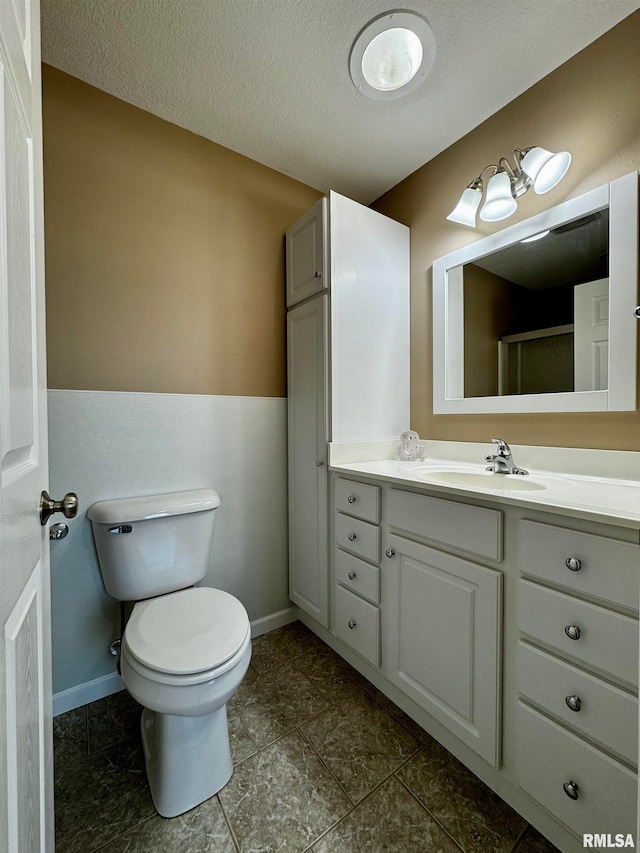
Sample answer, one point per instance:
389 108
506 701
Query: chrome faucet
502 460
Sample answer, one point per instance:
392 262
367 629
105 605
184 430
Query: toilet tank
155 544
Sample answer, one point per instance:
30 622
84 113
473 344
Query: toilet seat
207 675
197 632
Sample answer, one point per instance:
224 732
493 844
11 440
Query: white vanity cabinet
577 715
444 614
357 540
347 363
456 608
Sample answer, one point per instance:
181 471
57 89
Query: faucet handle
503 447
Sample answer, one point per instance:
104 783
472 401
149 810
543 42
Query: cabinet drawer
544 614
471 528
358 625
358 499
359 537
358 576
548 757
606 568
606 713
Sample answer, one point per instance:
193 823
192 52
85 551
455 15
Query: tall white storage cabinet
348 363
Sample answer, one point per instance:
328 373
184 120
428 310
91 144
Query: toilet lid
188 631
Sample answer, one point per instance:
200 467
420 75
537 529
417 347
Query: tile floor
323 763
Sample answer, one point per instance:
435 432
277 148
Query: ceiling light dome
392 55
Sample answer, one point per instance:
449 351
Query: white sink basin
482 480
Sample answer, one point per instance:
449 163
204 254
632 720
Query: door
307 422
307 267
26 791
591 335
443 639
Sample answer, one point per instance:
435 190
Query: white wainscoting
115 444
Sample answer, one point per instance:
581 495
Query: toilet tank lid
153 506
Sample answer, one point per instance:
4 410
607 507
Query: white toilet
184 652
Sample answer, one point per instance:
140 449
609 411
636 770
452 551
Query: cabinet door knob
573 564
352 499
352 537
352 624
318 273
351 576
572 632
571 789
319 463
573 702
390 552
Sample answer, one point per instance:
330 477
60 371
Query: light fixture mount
392 55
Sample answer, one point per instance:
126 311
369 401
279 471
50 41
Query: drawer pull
352 537
351 576
352 624
571 790
573 702
572 632
390 552
573 564
352 499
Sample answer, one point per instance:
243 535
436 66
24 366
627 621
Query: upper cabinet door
307 267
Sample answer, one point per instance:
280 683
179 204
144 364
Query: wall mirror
539 317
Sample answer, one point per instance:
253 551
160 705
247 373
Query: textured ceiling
270 78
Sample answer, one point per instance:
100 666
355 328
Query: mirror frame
621 196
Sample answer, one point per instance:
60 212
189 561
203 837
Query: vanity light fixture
392 55
533 167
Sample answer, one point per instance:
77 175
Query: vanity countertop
611 501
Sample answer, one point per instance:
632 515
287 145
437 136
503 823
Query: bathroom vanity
499 611
503 617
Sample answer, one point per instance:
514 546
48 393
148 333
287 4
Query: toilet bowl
183 656
184 651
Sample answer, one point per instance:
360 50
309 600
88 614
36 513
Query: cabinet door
443 639
307 270
307 419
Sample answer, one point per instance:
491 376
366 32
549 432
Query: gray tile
241 742
70 736
360 742
389 820
112 719
330 673
476 817
100 797
280 646
202 830
416 730
282 798
278 701
534 842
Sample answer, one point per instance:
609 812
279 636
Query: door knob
68 506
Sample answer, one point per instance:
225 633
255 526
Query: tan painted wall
164 253
488 315
590 106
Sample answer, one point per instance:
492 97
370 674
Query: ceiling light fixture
392 55
533 167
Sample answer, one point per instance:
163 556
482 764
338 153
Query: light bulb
500 203
465 211
545 168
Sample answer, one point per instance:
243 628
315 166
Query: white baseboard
90 691
273 621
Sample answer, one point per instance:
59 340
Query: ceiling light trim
397 19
